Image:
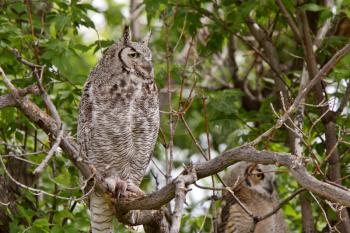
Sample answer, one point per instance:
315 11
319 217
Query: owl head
256 177
136 57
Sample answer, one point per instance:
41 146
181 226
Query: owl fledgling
118 123
254 185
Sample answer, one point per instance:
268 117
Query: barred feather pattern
117 128
259 196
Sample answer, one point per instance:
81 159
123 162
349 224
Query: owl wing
85 121
145 132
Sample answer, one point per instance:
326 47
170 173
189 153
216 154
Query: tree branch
302 93
344 101
289 19
8 100
157 199
180 196
49 155
245 153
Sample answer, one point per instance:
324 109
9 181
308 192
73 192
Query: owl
255 186
118 123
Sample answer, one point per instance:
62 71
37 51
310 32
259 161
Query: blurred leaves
62 36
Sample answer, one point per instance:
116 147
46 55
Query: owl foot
126 190
134 190
120 188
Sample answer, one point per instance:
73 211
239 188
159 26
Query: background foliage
192 47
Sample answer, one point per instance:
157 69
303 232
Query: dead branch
181 183
49 155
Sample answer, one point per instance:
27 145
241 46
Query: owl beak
147 66
269 188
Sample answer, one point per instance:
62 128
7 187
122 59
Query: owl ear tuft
249 170
126 35
147 38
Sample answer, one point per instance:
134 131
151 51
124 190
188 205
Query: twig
193 137
180 196
38 191
213 203
323 211
8 83
290 20
169 157
39 76
282 203
321 74
22 60
19 158
344 101
322 32
240 203
208 188
51 152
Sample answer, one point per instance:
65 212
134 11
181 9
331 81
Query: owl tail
101 214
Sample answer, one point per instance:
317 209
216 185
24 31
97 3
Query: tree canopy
266 81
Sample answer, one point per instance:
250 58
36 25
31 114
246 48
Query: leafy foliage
191 46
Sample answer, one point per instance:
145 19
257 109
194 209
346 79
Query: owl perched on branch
254 185
118 123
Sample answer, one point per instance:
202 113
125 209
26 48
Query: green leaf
26 213
313 7
41 223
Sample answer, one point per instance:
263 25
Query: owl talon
126 190
135 190
120 189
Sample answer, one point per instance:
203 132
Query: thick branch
211 167
246 153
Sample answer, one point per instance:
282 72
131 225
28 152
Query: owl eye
259 176
134 55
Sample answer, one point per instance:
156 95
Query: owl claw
120 189
126 190
135 190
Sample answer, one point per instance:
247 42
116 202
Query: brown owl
118 122
254 186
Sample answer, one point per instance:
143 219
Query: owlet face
261 178
136 56
257 177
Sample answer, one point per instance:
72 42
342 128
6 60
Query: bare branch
211 167
180 196
302 93
289 19
49 155
282 203
38 73
322 32
344 101
245 153
8 100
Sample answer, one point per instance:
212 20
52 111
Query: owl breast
125 119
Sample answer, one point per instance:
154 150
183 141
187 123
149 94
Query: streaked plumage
254 185
119 122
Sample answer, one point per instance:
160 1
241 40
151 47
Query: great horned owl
118 122
254 185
